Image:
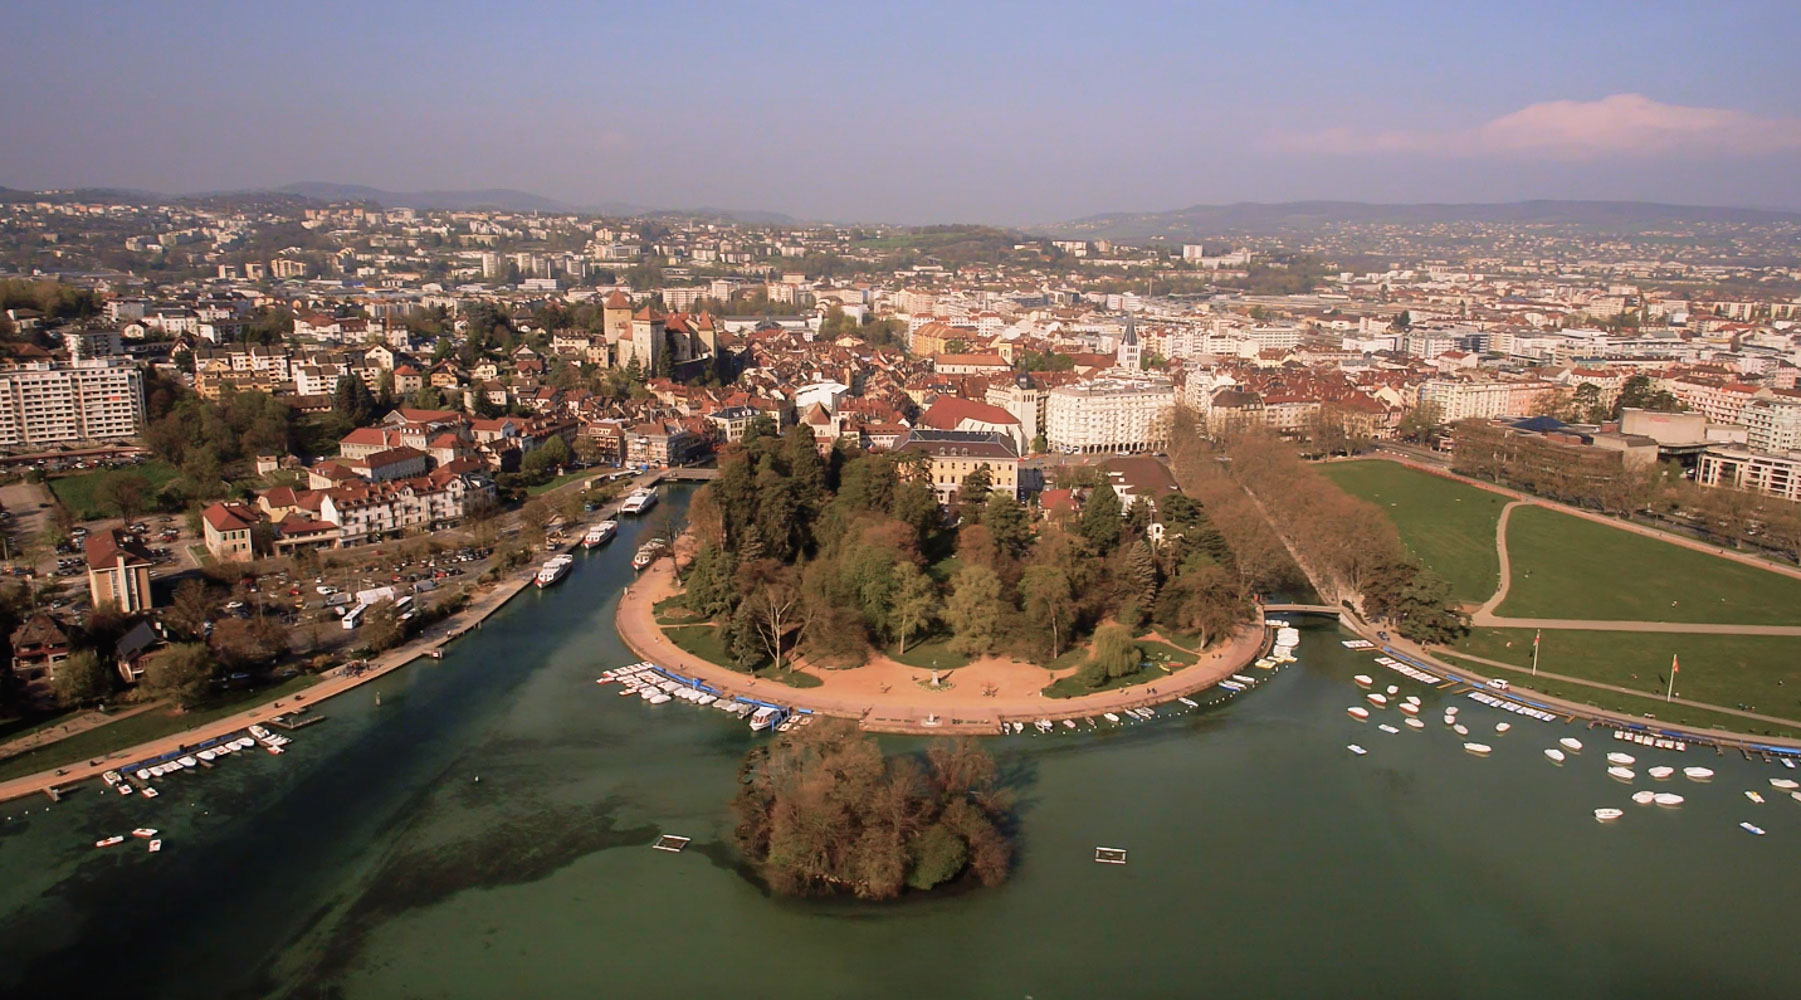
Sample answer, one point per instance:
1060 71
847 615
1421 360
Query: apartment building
1459 399
1739 467
956 455
45 403
118 572
1109 415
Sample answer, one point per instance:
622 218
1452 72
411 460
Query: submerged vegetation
822 811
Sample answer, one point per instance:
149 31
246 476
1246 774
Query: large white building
1773 425
1113 414
1459 399
44 403
1741 468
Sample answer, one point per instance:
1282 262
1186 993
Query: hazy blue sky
993 112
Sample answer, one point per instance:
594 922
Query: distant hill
503 199
1260 218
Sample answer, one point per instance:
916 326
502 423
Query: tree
190 609
915 604
82 678
1009 522
974 610
1418 423
772 596
1115 655
1138 582
1101 518
1050 602
125 492
1402 323
972 494
181 673
711 590
536 516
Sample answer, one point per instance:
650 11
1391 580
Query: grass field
1449 526
708 643
928 653
1160 658
1569 567
78 493
1739 671
151 725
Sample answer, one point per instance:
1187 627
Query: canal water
485 832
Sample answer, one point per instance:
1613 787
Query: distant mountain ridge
1264 218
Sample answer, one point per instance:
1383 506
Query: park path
892 697
1488 607
82 723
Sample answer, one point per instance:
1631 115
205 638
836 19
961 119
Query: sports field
1568 567
1449 526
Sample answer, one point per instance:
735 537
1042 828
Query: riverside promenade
885 696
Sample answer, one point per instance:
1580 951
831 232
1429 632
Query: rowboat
1450 720
1644 798
1358 712
1621 759
1608 815
1621 773
1479 749
155 846
1110 717
1571 744
1668 799
1697 773
1661 772
1555 755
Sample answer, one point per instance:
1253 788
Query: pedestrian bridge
1303 609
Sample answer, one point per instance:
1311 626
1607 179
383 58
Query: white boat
1753 796
1409 707
1364 680
149 793
143 774
1412 699
648 552
1019 727
1784 784
1452 710
1232 686
1795 795
600 534
1376 699
1385 727
1668 799
1571 744
1479 749
1555 754
1751 828
109 841
206 755
1242 679
1697 773
156 846
1661 771
554 570
1358 712
1450 720
640 501
189 762
1391 690
1621 773
763 718
1501 727
1644 798
1608 815
1621 759
1069 723
1354 748
660 697
143 833
1413 723
1460 729
1190 702
1042 725
1109 716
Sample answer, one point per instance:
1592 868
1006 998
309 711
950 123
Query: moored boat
553 571
1621 759
1501 727
1479 749
1358 712
1385 727
109 841
1413 723
1621 773
1644 798
641 500
1109 716
1571 744
1554 754
1668 799
1784 784
600 534
1697 773
1661 771
1376 699
1752 829
1364 680
1354 748
1755 797
1608 815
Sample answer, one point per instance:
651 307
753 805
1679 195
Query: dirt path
1500 593
893 697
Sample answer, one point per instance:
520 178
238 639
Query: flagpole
1536 636
1672 688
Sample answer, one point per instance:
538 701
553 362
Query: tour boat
143 833
1621 773
156 846
1354 748
109 841
1753 796
1751 828
1358 712
1784 784
640 501
1501 727
1460 729
1479 749
1644 798
648 553
1697 773
553 571
1572 744
1608 815
1621 759
1414 723
600 534
1555 754
1385 727
1668 799
1409 707
1376 699
1661 772
1109 716
1364 680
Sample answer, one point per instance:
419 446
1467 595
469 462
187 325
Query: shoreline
904 709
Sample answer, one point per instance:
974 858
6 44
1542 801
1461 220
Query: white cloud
1620 125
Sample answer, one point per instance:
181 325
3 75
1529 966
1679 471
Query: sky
989 112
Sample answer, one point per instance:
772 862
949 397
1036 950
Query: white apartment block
1741 468
1460 400
53 403
1773 425
1109 415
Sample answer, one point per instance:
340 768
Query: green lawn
78 493
1569 567
929 653
562 480
1157 656
674 611
151 725
708 643
1738 671
1449 526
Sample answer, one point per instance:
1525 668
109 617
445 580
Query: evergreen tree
711 589
972 494
1139 583
1101 519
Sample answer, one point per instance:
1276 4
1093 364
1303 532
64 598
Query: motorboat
1621 773
1661 771
1413 699
1479 749
1190 702
763 718
1069 723
640 500
660 698
189 762
1364 680
1697 773
109 841
1555 755
1753 796
1795 795
143 833
1109 716
1785 784
1572 744
1354 748
1385 727
1608 815
1358 712
150 793
1413 723
1668 799
1460 729
1452 710
1376 699
600 534
1621 759
1644 798
1391 690
1450 720
1042 725
1501 727
1409 707
1751 828
1232 686
156 846
554 570
1242 679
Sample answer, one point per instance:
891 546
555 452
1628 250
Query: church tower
1130 355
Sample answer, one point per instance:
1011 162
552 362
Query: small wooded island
822 811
